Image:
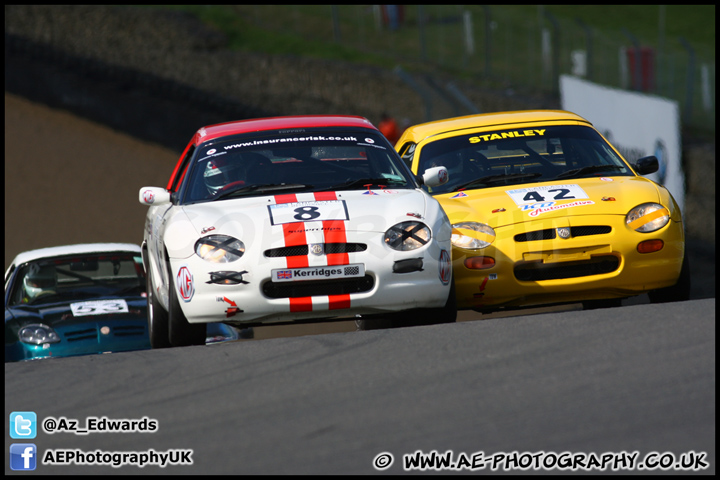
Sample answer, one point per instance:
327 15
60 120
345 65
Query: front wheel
157 318
182 333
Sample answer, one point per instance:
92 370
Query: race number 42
551 193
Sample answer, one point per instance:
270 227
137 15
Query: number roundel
306 213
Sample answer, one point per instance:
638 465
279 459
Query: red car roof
276 123
297 122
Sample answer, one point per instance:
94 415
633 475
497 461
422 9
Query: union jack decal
284 274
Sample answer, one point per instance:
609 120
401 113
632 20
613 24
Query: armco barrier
140 104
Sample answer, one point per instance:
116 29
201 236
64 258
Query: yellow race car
544 210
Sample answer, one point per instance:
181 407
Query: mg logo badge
563 232
316 249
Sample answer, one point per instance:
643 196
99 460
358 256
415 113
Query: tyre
157 318
678 292
181 332
413 318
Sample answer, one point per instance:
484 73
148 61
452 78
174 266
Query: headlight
647 217
472 235
37 334
407 236
219 248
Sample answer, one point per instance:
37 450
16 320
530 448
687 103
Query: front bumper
393 281
600 261
91 338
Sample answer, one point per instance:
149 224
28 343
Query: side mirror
646 165
153 196
435 176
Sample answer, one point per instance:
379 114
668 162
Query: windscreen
78 277
519 156
319 161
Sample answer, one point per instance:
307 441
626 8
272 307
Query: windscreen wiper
589 169
362 182
262 188
497 178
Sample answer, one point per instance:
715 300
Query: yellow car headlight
219 248
647 217
472 235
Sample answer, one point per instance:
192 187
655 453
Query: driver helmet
219 173
38 279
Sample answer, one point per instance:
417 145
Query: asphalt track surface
328 400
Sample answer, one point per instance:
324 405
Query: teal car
80 300
75 300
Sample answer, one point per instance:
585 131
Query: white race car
288 219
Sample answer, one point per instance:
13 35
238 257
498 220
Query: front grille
328 248
128 330
84 334
536 271
92 333
315 288
550 233
589 230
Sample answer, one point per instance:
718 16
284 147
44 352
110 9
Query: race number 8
305 214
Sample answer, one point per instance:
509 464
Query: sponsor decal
370 192
606 179
537 211
481 293
459 195
185 283
232 309
309 138
443 175
317 273
148 196
207 229
445 267
211 153
319 229
501 135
